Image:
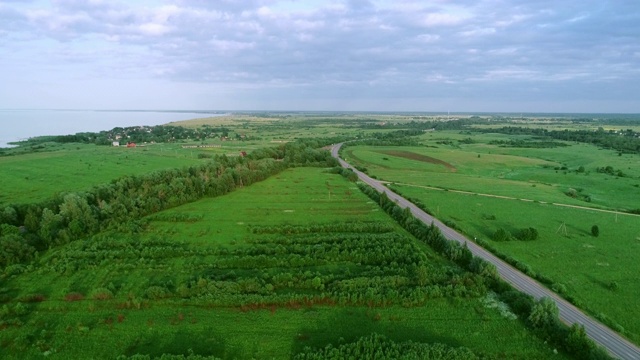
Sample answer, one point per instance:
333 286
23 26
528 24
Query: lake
18 125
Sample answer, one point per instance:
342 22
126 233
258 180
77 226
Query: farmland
234 276
469 181
35 172
187 247
57 168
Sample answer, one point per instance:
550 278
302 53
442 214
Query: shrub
595 231
544 314
74 296
527 234
501 235
32 298
156 292
102 294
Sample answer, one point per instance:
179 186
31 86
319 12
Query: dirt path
513 198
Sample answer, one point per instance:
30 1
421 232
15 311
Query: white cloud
442 19
154 29
329 48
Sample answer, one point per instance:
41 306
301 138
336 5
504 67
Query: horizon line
228 111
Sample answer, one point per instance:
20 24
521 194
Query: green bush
502 235
527 234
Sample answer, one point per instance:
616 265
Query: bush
502 235
595 231
156 292
544 315
528 234
74 296
102 294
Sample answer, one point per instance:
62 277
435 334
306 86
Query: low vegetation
269 254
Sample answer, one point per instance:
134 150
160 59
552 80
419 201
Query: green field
520 173
482 188
300 259
304 258
61 168
35 173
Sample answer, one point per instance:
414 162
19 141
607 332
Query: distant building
115 143
131 144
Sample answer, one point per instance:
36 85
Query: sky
334 55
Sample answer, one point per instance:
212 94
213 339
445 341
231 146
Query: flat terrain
300 259
514 188
76 167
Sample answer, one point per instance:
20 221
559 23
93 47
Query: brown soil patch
418 157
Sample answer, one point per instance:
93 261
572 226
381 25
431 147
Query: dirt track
513 198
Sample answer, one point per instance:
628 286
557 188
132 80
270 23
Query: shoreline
22 125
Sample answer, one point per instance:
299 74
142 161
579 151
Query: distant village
137 135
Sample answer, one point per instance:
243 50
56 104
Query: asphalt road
616 345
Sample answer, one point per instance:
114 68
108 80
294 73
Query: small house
131 144
116 143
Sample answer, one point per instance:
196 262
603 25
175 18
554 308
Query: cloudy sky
438 55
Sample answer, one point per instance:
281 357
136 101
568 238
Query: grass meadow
189 278
75 167
535 174
599 272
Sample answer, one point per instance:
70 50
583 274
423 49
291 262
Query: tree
78 215
50 225
576 340
9 216
544 314
14 249
595 231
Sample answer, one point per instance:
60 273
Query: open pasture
270 129
600 272
74 167
541 174
512 188
302 258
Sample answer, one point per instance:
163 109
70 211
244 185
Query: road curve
616 345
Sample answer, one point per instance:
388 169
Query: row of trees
542 316
141 134
624 142
377 346
25 228
376 268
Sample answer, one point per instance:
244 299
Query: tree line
625 142
376 346
142 134
541 316
28 228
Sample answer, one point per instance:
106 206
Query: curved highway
616 345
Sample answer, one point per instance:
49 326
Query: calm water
22 124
